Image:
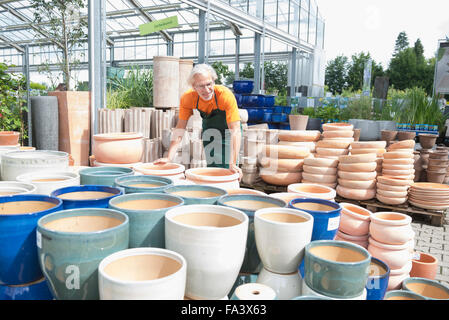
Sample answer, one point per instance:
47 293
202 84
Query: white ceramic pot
281 235
254 291
307 291
14 187
212 239
218 177
142 274
287 286
47 182
308 190
391 227
173 171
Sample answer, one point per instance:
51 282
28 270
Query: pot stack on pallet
336 140
392 241
354 224
398 170
320 171
364 147
357 176
437 166
299 138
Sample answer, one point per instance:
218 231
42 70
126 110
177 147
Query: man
221 120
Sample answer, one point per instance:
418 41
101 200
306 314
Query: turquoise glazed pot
19 263
377 283
194 191
103 175
37 290
337 269
71 245
100 202
143 183
426 288
146 212
402 295
251 262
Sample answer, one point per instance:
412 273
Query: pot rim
406 219
138 252
29 197
230 197
316 200
190 174
392 247
197 187
155 172
340 244
145 196
431 282
117 136
28 177
330 191
120 181
349 212
87 187
383 265
91 171
31 154
416 261
402 293
288 211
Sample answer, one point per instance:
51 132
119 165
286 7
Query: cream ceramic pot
212 239
281 235
287 286
47 182
142 274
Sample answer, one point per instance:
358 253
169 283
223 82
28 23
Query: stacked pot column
392 241
354 224
364 147
398 164
357 176
437 166
314 168
336 138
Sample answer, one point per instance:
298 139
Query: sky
353 26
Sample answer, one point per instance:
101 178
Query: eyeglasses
204 86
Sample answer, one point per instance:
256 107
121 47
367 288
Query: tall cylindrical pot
165 81
45 122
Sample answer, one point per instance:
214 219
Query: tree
401 43
356 69
336 73
61 25
222 71
275 76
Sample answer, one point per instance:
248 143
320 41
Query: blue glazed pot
287 110
402 295
326 215
143 183
336 269
37 290
273 126
251 262
243 86
277 117
103 175
278 109
269 101
377 284
191 198
284 126
18 254
253 100
427 289
70 257
268 110
146 220
254 114
238 98
266 117
101 202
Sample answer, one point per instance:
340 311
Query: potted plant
62 27
314 122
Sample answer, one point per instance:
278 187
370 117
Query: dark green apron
219 155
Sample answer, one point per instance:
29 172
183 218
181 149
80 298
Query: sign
367 78
155 26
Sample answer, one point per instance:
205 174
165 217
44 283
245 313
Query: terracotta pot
392 194
397 276
280 178
359 158
358 167
390 200
395 256
282 165
172 171
369 145
321 162
298 121
442 155
120 147
338 134
307 144
299 135
333 143
391 228
354 220
388 135
406 135
436 177
360 240
356 194
320 170
397 166
424 265
378 152
286 152
332 152
404 144
356 134
354 184
337 126
326 178
427 141
330 185
357 176
9 138
307 190
394 181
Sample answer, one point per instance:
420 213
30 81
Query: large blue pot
69 254
377 284
100 202
37 290
253 100
269 101
243 86
255 114
18 254
238 98
278 109
251 262
278 117
146 212
196 199
326 216
336 269
266 117
143 183
103 175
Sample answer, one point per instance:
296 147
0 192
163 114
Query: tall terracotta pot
298 121
74 124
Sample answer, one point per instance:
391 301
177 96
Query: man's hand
162 161
235 169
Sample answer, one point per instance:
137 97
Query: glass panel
293 21
320 34
303 25
283 16
270 11
312 29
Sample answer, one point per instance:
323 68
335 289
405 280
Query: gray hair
203 69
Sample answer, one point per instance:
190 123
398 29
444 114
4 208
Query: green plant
12 103
308 111
358 108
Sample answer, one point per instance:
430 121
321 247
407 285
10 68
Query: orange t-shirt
225 98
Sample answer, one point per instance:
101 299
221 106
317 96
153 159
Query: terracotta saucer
424 206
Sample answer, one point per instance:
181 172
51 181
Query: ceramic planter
298 122
337 126
402 295
218 177
426 288
71 245
196 194
396 256
354 184
424 265
406 135
354 220
146 216
142 274
172 171
9 138
326 215
398 275
314 295
12 187
359 240
36 290
299 135
18 219
88 196
280 178
281 236
143 183
118 147
253 291
47 182
249 204
286 196
356 194
306 190
343 265
377 284
246 191
321 162
391 228
286 286
388 135
212 240
427 141
103 175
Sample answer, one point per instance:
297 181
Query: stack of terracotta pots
337 138
437 166
354 224
298 138
398 164
391 240
282 165
320 171
364 147
357 176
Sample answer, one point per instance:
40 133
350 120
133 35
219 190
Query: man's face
204 86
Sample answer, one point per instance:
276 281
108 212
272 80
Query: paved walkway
434 240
